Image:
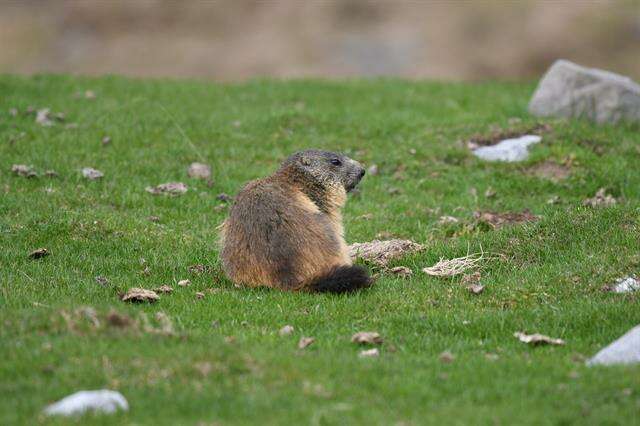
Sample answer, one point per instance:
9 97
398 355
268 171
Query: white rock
570 90
625 350
626 285
99 401
509 150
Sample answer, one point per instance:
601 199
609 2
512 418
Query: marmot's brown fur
285 231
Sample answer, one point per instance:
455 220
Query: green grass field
225 362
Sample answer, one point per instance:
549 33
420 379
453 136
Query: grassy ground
225 362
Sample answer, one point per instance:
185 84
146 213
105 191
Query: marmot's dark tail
342 279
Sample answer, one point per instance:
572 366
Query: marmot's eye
336 162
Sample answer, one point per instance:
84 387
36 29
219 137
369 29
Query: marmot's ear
306 161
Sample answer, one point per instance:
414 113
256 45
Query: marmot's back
285 231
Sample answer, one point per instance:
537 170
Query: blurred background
233 40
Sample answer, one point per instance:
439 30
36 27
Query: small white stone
626 285
99 401
509 150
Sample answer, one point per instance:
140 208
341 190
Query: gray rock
99 401
625 350
570 90
509 150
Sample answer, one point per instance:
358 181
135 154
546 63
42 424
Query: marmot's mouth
351 186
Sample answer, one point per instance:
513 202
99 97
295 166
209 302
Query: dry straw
456 266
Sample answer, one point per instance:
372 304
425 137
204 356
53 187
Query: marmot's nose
361 174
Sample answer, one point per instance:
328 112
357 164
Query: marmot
285 231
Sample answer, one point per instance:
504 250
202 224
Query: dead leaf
497 220
367 338
447 220
199 295
89 94
601 199
372 170
154 219
369 353
163 289
537 339
50 173
286 330
170 188
199 171
468 279
305 341
39 253
90 314
198 269
475 288
317 389
401 271
489 193
491 356
13 112
139 295
165 325
184 283
91 173
382 252
446 357
103 281
44 118
106 140
204 368
366 216
24 170
554 200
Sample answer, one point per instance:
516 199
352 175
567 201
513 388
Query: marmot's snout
354 177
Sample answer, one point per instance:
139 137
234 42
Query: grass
549 281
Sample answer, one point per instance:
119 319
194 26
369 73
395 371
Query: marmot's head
326 168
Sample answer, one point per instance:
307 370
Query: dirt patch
550 170
498 220
140 295
382 252
476 141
